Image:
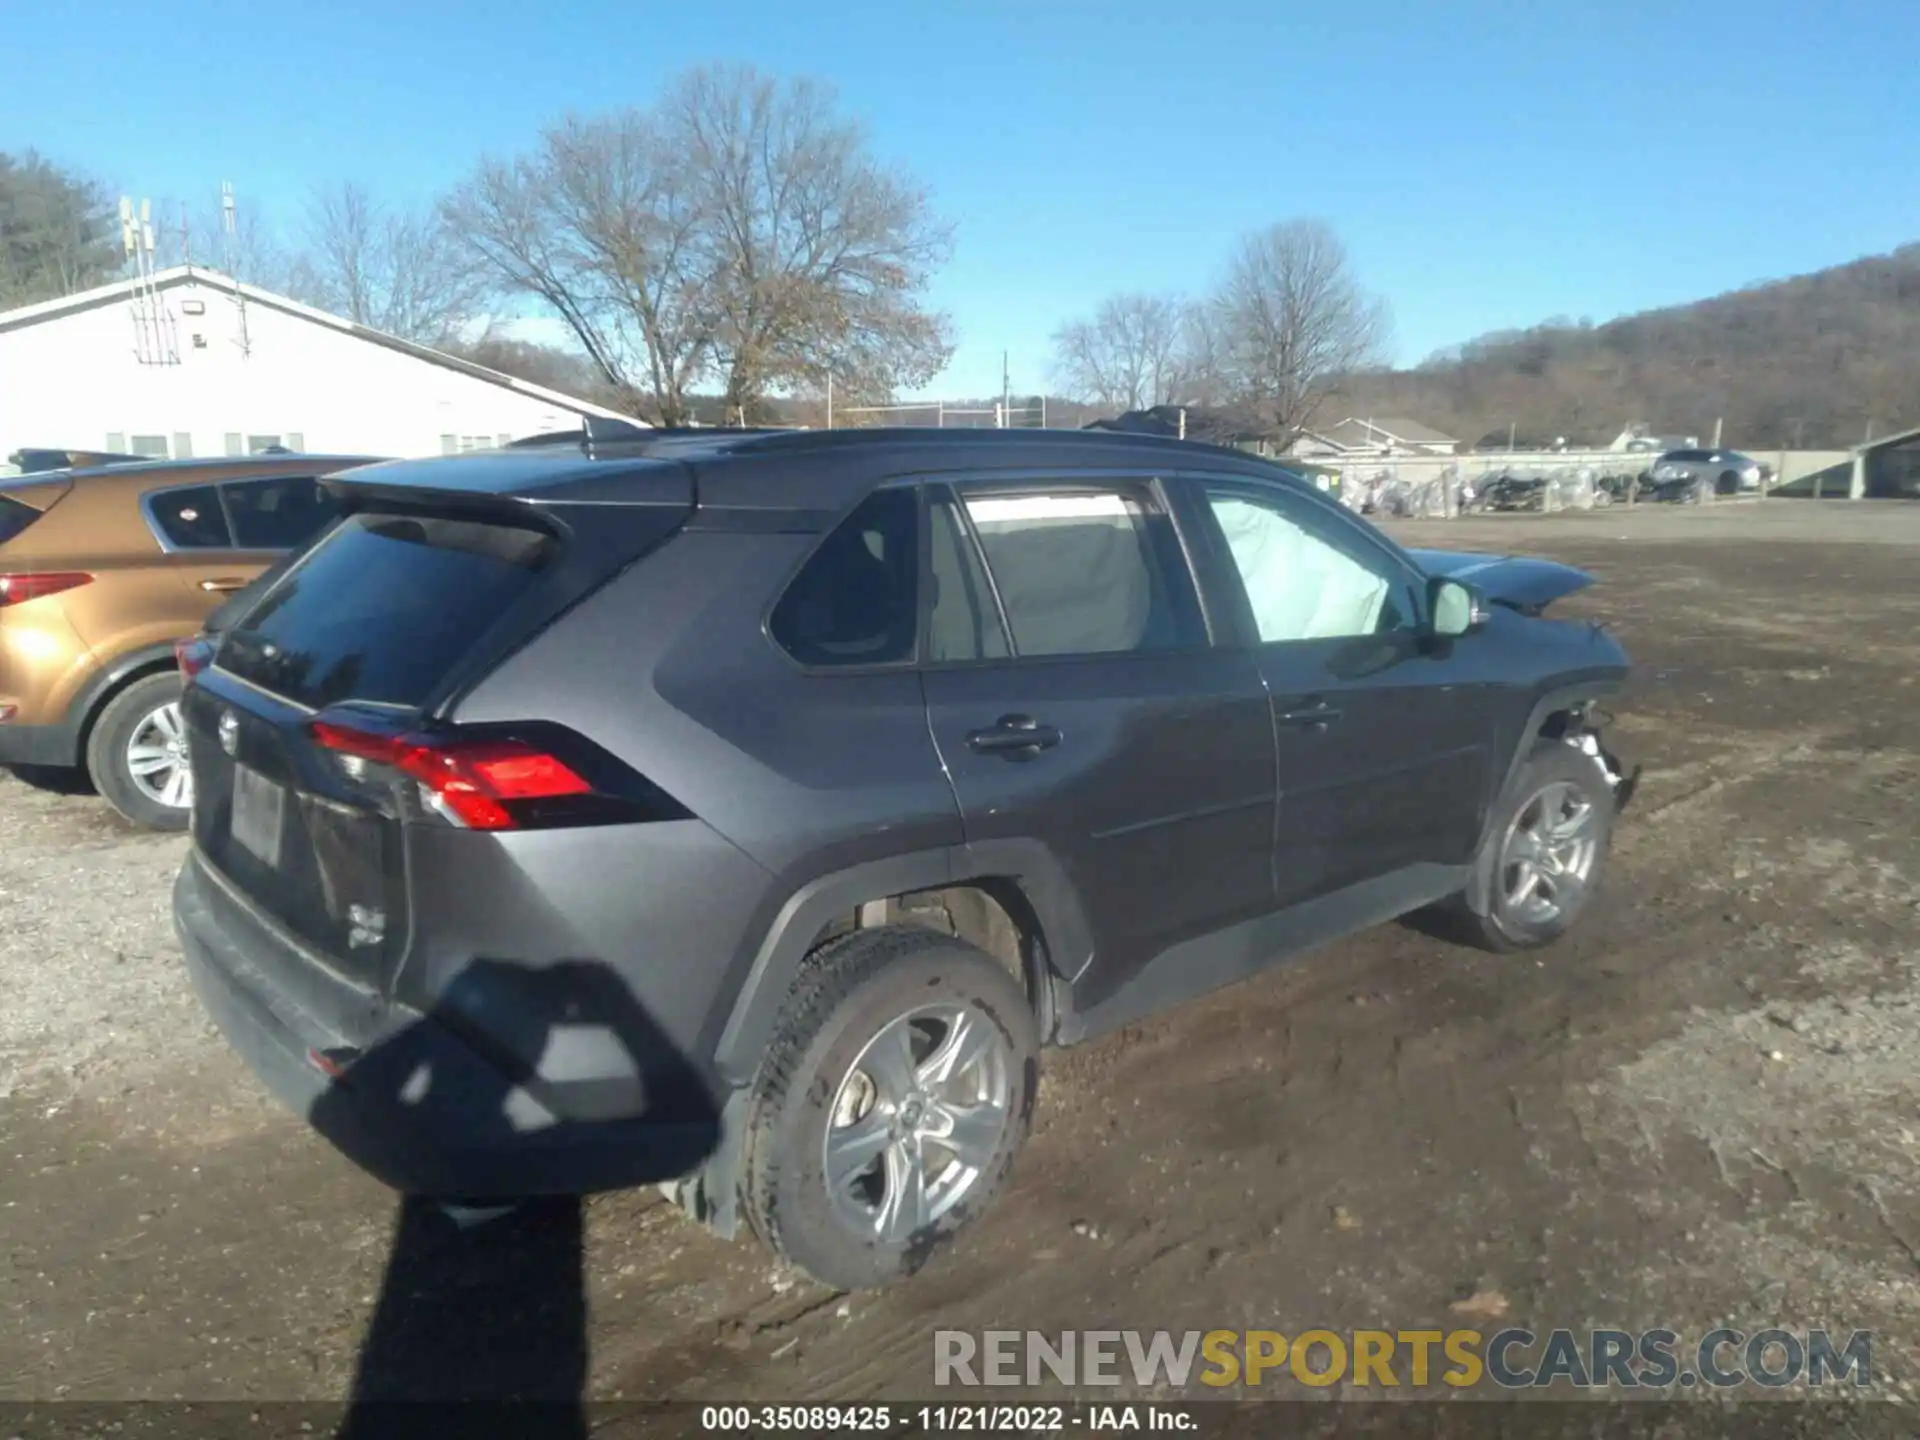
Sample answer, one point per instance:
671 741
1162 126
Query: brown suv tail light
38 584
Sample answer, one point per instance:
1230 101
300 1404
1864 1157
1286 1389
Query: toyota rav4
743 812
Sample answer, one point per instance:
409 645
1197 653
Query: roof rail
960 436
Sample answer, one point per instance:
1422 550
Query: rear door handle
1316 715
1014 736
224 584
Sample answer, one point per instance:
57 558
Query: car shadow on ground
54 779
481 1328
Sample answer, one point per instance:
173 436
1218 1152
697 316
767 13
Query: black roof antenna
602 430
594 430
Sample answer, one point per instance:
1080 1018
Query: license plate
258 808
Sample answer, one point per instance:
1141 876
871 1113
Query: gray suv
743 812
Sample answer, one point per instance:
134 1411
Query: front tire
137 754
1551 837
890 1106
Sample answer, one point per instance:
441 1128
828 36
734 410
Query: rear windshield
15 516
383 609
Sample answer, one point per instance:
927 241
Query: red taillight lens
193 655
473 780
37 584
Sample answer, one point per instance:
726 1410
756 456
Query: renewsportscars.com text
1511 1358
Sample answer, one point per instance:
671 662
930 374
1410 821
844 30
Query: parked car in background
1691 475
102 571
743 812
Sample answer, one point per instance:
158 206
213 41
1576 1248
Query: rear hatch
319 734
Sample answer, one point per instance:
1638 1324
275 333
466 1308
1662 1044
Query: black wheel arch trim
1065 943
1028 864
86 706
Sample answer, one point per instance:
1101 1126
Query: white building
195 363
1388 435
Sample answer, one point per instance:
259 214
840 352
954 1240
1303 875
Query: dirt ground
1701 1107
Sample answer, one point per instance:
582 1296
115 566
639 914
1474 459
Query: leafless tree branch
397 270
1291 318
1128 356
737 230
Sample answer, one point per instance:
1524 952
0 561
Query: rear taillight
193 655
38 584
481 784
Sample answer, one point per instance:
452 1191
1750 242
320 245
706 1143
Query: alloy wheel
157 758
917 1120
1547 860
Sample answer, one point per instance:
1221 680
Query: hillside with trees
1819 360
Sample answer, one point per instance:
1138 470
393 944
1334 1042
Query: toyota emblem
230 733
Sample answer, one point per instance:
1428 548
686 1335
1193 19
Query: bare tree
1204 377
57 231
1291 319
817 253
498 349
736 231
390 268
195 234
602 225
1129 356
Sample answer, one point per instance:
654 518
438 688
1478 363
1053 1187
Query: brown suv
102 571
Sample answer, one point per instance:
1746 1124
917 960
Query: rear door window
190 518
964 619
384 608
1086 571
277 514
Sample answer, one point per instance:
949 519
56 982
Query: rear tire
1562 799
894 1042
137 754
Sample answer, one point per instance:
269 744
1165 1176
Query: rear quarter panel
791 775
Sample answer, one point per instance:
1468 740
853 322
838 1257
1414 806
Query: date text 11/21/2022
958 1419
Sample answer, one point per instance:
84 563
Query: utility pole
1716 430
1006 393
1512 425
829 399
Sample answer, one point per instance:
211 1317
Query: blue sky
1489 164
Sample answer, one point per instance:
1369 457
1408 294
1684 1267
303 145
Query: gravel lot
1701 1107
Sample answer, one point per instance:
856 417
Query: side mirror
1457 609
